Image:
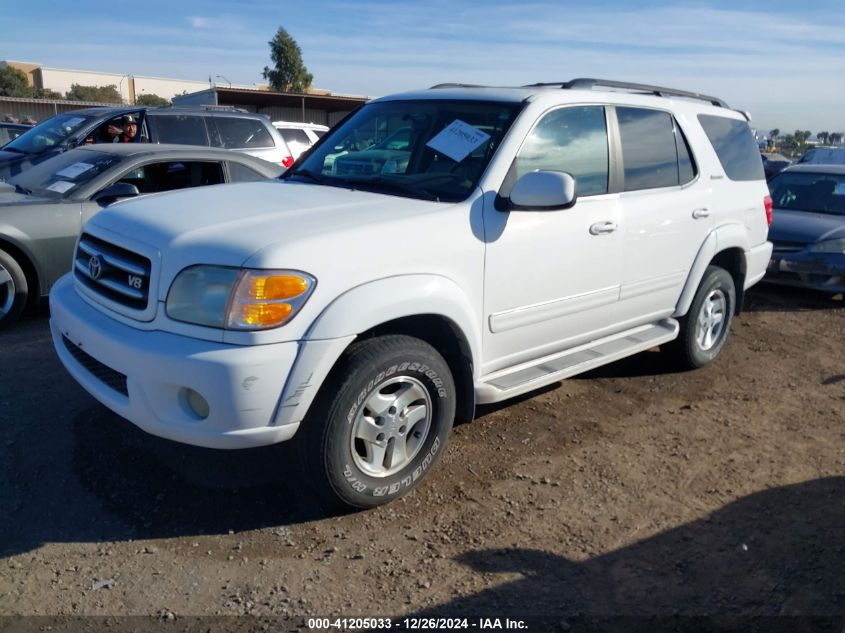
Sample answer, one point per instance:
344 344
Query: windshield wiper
310 175
382 183
23 190
14 149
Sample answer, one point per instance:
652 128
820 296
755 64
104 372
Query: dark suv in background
210 126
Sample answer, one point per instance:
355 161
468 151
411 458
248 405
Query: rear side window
573 140
649 148
173 175
735 147
182 128
295 136
242 173
243 133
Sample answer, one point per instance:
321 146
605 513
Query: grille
112 271
104 373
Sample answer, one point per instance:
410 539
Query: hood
10 197
13 163
232 222
806 228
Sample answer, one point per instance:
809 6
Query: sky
783 61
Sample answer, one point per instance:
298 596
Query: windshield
48 134
824 156
61 175
814 193
435 150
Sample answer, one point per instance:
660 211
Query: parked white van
519 236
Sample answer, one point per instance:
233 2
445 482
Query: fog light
197 404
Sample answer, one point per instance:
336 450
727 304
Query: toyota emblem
95 266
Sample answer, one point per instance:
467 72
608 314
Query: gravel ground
631 490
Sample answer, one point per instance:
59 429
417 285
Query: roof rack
207 106
448 85
588 83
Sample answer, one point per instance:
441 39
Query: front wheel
380 423
13 290
704 329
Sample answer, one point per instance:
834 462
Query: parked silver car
43 208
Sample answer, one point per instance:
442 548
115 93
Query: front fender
363 308
20 241
377 302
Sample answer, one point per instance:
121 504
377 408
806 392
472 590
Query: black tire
343 469
693 348
14 290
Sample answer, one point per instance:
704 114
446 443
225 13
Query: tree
103 94
823 136
774 134
289 74
13 83
835 138
46 93
151 99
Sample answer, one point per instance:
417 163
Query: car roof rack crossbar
660 91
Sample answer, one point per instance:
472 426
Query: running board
520 379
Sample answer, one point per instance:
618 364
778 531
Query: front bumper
817 271
144 376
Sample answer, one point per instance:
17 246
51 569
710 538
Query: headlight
829 246
238 299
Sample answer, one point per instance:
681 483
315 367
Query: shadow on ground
779 552
769 298
141 486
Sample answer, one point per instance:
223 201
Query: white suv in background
515 237
300 136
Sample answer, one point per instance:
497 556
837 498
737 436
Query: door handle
701 212
602 228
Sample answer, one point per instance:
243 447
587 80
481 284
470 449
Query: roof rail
448 85
207 106
589 83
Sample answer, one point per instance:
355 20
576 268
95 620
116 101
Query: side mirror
115 191
543 191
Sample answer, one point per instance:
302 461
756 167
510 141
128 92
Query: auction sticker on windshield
458 140
72 171
61 186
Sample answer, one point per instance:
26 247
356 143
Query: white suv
300 136
516 236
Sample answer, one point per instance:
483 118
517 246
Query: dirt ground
632 490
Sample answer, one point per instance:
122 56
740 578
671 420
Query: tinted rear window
243 133
735 147
295 136
182 128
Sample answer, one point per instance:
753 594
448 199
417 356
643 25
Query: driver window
573 140
112 131
172 175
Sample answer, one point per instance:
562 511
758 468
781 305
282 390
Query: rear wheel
704 329
13 290
380 423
